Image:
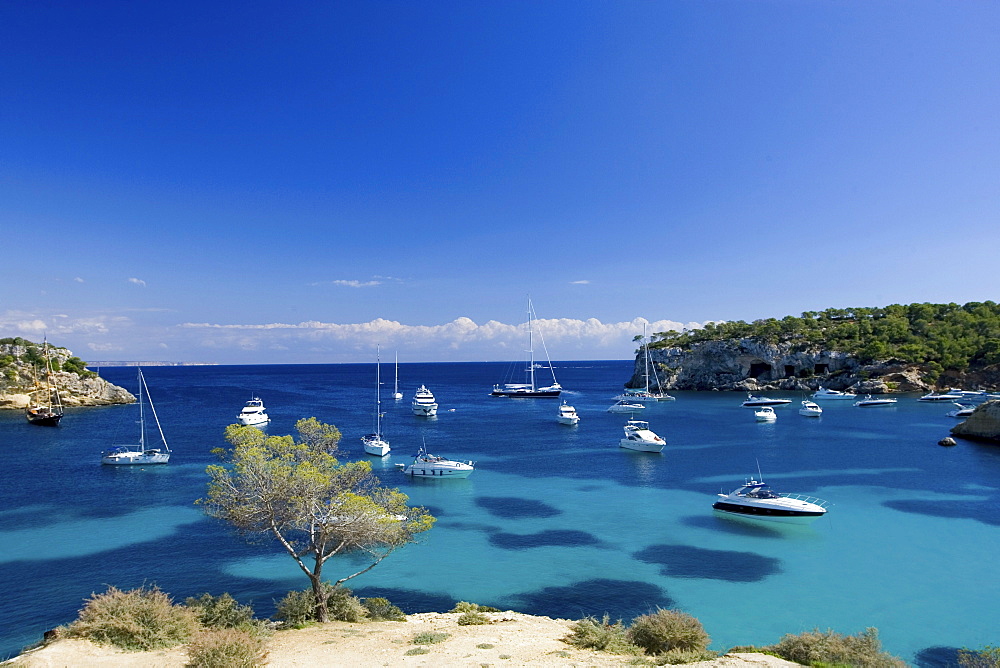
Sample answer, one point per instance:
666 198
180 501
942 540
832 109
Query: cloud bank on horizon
124 337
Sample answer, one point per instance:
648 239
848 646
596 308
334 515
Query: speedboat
950 395
869 400
765 414
764 401
961 412
567 415
622 406
253 413
424 404
810 409
755 499
824 393
426 465
638 436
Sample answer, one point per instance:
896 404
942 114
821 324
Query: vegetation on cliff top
33 355
942 336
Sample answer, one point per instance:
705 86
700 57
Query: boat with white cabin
810 409
424 404
567 415
869 400
426 465
375 443
253 413
824 393
638 436
961 411
765 414
622 406
950 395
753 400
756 500
530 388
141 452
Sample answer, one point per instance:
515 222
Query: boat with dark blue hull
756 500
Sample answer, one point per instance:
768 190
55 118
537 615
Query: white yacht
375 443
764 401
810 409
141 452
950 395
824 393
869 400
755 499
638 436
424 404
622 406
567 415
531 388
961 411
253 413
765 414
426 465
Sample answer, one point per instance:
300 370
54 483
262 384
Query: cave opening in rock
789 371
758 369
821 369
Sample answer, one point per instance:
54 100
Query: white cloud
582 282
78 279
137 281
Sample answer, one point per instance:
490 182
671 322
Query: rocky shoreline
75 389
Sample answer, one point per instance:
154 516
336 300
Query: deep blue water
556 520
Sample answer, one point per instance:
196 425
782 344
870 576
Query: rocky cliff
984 423
17 373
752 365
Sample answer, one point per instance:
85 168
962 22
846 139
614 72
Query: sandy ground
512 639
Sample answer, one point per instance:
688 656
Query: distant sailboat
396 394
530 388
140 453
375 444
48 411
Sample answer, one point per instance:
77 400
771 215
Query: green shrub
987 657
136 620
380 609
417 650
472 618
429 638
345 607
862 650
298 608
220 612
666 630
464 606
589 633
227 648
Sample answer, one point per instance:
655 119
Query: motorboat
253 413
424 404
962 411
755 499
810 409
426 465
375 443
530 388
765 414
764 401
869 400
141 452
638 436
622 406
951 395
567 415
825 393
636 395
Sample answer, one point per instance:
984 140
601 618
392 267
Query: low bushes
987 657
298 608
227 648
863 650
136 620
603 635
380 609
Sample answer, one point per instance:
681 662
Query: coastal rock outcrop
983 424
17 379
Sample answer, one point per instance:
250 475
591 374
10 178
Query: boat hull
134 458
376 447
640 446
528 394
44 420
768 513
417 471
249 421
569 421
424 410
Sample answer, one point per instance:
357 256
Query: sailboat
530 389
140 453
396 394
647 394
375 444
47 412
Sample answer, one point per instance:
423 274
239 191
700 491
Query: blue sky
263 182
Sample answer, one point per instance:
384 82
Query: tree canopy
298 493
943 336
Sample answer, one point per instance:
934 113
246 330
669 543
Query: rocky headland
983 424
76 386
752 365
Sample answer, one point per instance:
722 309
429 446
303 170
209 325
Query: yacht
961 411
622 406
824 393
638 436
141 452
253 413
756 499
426 465
810 409
423 403
765 414
567 415
530 388
45 410
869 400
646 394
764 401
950 395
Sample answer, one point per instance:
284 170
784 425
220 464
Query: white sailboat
375 444
140 453
530 388
396 394
646 394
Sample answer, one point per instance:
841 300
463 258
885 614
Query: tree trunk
319 594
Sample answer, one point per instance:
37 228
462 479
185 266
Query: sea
555 520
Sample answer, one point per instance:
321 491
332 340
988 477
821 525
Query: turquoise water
556 520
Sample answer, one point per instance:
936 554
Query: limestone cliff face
752 365
984 423
17 381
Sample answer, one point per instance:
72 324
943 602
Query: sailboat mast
531 351
645 350
395 383
142 418
378 392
